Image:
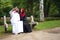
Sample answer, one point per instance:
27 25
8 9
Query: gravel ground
53 34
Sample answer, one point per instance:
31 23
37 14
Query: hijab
22 12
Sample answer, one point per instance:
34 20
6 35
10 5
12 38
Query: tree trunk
41 11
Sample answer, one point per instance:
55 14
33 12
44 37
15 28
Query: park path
53 34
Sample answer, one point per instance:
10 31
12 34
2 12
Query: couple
19 21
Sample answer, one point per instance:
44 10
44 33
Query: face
21 10
15 10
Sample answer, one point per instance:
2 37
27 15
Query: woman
26 26
17 25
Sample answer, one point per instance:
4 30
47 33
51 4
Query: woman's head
22 10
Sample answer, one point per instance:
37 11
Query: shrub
52 18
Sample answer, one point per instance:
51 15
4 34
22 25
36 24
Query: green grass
2 32
47 25
2 29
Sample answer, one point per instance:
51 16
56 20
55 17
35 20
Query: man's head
16 9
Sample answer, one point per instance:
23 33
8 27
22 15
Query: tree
47 4
41 10
4 4
57 3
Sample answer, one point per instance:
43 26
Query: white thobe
17 25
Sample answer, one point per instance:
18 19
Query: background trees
5 6
51 7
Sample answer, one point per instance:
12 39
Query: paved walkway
53 34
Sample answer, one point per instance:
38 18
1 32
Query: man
17 25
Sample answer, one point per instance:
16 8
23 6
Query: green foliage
52 7
20 3
36 11
52 18
1 29
4 5
53 12
36 19
1 22
48 25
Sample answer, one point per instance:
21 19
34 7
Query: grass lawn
2 29
47 25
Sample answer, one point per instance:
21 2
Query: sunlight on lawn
47 25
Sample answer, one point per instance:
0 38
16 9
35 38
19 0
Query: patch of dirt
35 35
55 30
